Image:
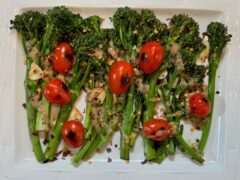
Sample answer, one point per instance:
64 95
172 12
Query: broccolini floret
31 25
151 28
92 23
60 22
190 67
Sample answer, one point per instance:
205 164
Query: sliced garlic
173 49
75 114
34 53
163 74
35 72
110 62
206 42
98 54
97 95
141 86
204 55
113 52
61 77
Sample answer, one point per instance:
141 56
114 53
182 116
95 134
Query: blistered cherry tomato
73 133
57 92
157 129
120 77
150 57
63 58
199 105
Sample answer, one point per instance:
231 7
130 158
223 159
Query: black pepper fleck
217 92
24 105
144 161
66 153
64 86
45 141
115 145
109 160
45 161
109 150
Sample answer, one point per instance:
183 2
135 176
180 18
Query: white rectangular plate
17 160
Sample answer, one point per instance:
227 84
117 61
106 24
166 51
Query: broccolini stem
31 89
211 94
187 149
87 117
81 153
127 124
121 103
101 138
161 152
149 150
108 105
136 122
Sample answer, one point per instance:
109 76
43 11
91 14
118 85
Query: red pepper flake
35 133
89 162
58 153
98 150
48 148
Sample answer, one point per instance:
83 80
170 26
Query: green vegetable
60 23
218 38
40 34
31 27
187 149
127 124
42 122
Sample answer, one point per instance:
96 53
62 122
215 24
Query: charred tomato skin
199 105
120 77
150 57
57 92
63 57
73 133
157 129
